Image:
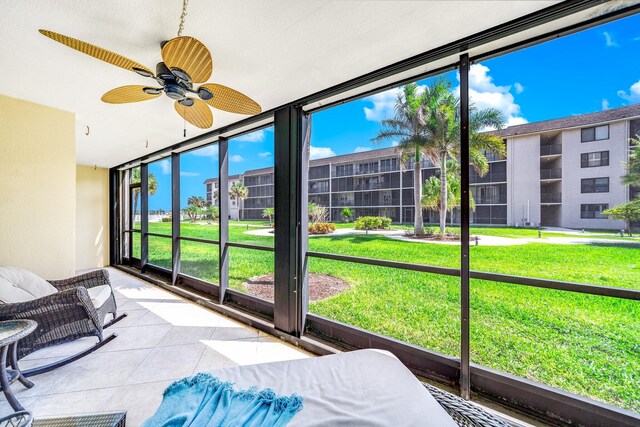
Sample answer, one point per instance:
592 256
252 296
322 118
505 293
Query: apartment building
565 172
557 173
213 192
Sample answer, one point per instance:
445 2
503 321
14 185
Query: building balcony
554 173
550 150
551 197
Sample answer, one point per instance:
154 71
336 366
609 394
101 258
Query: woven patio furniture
107 419
77 308
17 419
463 412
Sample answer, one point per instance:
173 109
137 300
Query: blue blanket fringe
205 401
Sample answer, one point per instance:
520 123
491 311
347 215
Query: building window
595 133
593 211
598 158
595 185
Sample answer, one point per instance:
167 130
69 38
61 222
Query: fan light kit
185 61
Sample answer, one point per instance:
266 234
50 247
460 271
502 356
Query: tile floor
164 338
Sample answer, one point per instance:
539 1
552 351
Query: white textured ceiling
275 51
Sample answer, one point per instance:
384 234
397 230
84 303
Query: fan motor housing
175 91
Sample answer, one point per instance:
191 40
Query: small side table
12 331
106 419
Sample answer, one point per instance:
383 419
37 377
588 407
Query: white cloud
383 105
320 152
395 143
236 158
634 93
256 136
185 173
484 93
210 151
518 87
165 165
605 104
608 39
362 149
265 154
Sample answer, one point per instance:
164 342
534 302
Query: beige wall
523 179
92 217
37 188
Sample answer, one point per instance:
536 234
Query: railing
551 197
548 150
554 173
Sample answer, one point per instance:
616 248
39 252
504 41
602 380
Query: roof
354 157
230 177
572 121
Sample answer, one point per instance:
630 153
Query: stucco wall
92 217
572 174
37 188
523 179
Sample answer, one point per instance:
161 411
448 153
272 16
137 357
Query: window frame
584 159
595 133
590 185
584 209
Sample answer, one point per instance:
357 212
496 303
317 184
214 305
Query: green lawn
585 344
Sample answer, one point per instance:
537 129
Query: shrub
372 222
165 219
321 228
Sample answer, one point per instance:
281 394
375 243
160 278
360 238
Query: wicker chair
463 412
64 316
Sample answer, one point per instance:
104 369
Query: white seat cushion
99 295
18 285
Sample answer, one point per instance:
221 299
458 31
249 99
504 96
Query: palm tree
632 167
238 192
268 213
408 125
216 195
212 211
196 201
431 192
136 179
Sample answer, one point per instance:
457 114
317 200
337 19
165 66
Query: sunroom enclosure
290 258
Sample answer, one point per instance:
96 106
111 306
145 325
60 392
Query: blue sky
589 71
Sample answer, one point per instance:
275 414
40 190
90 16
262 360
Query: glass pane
135 209
251 188
136 245
418 308
555 227
200 260
251 271
199 193
160 251
602 132
160 195
580 343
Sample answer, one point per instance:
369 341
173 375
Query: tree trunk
443 192
418 226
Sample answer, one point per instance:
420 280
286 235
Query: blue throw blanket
204 401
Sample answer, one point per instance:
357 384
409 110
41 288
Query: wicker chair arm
55 309
88 280
463 412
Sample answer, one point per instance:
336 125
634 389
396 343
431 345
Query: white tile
180 335
72 403
6 409
136 337
167 363
65 349
211 360
139 400
103 370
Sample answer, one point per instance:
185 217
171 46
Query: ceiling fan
185 61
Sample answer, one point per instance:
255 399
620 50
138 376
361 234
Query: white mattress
359 388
